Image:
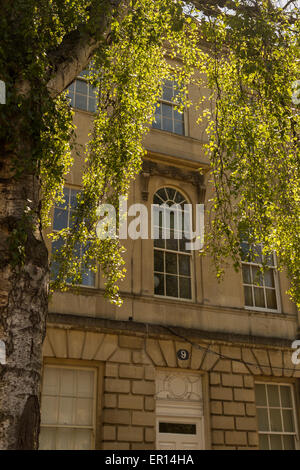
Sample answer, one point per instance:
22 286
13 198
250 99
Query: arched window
172 261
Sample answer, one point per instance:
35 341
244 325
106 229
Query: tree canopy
248 51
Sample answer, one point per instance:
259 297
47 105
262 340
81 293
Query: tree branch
77 48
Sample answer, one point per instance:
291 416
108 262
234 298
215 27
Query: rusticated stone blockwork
128 386
129 413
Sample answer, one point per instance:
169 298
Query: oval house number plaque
183 354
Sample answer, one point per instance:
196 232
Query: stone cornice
154 331
152 168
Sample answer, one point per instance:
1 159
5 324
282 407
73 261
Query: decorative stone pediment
155 169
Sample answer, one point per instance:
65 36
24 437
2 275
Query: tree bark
76 50
24 288
23 311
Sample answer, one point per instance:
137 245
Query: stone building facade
186 362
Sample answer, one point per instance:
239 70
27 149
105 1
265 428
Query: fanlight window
172 261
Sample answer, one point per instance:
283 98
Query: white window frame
64 426
184 115
89 88
281 433
177 252
70 188
276 285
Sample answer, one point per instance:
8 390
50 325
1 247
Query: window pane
271 299
260 395
72 219
185 287
269 278
270 260
167 111
275 442
158 261
156 200
65 438
257 276
246 274
171 193
81 102
83 411
81 87
263 421
73 198
60 220
179 198
159 284
67 382
171 243
184 265
179 127
259 297
159 242
85 384
83 439
47 438
156 123
171 263
273 395
288 442
177 115
57 245
172 286
182 244
49 411
67 406
245 255
71 98
65 203
167 93
177 428
263 442
248 296
167 124
275 418
88 278
169 83
50 382
286 396
257 254
288 420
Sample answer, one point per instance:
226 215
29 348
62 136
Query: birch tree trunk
24 289
23 311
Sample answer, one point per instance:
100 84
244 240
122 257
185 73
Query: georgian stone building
186 362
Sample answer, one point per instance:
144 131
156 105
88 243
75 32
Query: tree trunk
23 310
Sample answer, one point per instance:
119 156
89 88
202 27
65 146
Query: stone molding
71 343
105 325
156 169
